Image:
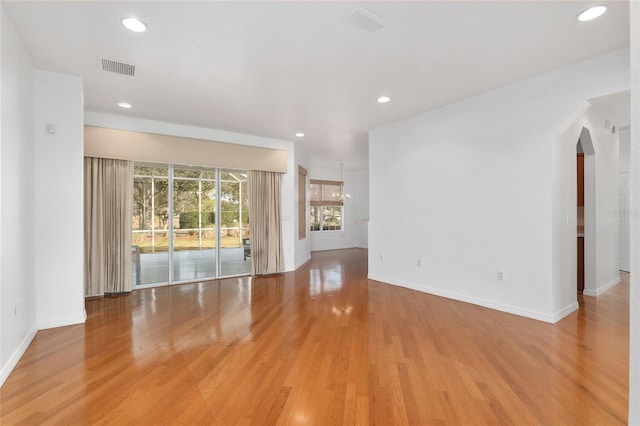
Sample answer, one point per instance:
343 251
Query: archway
586 214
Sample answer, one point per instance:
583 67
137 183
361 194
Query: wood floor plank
322 346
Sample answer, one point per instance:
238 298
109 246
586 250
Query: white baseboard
540 316
62 322
16 355
303 261
602 289
569 309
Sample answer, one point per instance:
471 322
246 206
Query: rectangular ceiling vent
117 67
366 20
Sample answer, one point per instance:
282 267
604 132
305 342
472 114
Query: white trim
569 309
62 322
16 355
308 258
540 316
603 289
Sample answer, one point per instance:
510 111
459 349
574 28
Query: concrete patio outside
190 265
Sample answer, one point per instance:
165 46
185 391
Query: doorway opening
580 216
585 214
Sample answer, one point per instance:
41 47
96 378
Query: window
326 205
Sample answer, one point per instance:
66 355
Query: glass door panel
150 225
234 223
182 230
194 224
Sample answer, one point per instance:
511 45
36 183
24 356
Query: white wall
17 237
467 189
634 293
59 200
601 207
303 246
347 237
2 370
362 208
289 191
624 138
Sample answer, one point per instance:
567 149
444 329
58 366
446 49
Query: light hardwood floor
322 346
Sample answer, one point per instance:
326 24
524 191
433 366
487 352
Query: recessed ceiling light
384 99
125 105
591 13
134 25
300 135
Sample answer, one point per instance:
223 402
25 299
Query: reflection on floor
190 265
322 345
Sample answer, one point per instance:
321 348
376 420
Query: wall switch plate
382 257
500 275
419 262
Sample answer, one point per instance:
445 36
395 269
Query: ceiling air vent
366 20
117 67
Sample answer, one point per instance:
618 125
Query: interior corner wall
624 142
601 223
347 237
623 190
634 293
303 246
17 188
59 117
467 189
289 233
362 208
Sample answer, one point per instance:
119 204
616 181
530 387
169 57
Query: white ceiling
276 68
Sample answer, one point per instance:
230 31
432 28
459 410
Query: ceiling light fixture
384 99
591 13
125 105
134 24
299 135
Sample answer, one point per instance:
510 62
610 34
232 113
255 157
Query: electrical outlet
381 257
15 308
500 275
419 262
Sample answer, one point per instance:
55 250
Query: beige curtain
265 222
108 208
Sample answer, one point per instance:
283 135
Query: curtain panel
108 208
265 222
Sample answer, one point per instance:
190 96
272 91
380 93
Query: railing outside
153 241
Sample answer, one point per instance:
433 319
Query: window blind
326 192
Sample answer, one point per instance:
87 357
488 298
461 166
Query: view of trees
194 201
150 195
151 182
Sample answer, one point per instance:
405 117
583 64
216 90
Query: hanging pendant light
342 194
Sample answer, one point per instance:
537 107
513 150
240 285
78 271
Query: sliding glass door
234 228
150 225
207 236
194 224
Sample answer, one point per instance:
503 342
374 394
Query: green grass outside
187 242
